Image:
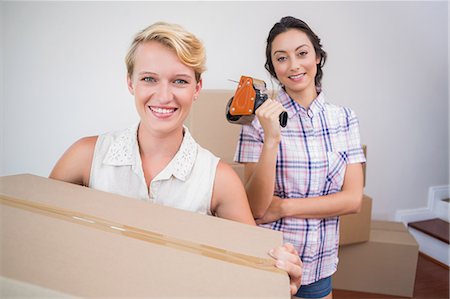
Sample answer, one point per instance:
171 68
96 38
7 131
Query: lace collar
124 150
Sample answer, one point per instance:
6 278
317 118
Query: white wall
64 77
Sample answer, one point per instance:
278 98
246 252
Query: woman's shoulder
338 110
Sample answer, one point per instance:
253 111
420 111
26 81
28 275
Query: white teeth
296 76
162 110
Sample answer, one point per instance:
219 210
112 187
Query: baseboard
412 215
436 208
439 207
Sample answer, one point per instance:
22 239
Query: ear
318 59
198 88
130 84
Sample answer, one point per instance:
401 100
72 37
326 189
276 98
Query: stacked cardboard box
370 258
60 238
386 264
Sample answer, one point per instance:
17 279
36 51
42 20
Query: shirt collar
293 108
181 165
124 151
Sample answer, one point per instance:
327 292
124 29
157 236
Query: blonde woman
157 160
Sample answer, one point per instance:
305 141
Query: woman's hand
288 260
268 115
273 212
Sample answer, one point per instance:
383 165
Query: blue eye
148 79
181 81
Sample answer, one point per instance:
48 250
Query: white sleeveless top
185 183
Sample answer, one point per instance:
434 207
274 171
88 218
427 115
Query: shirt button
310 113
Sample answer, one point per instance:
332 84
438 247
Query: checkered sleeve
354 149
250 143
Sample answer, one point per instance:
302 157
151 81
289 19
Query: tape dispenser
250 94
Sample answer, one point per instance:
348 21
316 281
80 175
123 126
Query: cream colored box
355 228
87 243
386 264
209 126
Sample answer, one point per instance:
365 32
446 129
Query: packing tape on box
265 264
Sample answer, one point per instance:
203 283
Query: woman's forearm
260 180
347 201
337 204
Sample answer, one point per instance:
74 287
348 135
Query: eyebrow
156 74
147 73
283 51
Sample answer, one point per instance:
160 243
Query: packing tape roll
265 264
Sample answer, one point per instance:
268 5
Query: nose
163 93
295 64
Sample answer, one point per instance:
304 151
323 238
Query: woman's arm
347 201
260 177
229 201
74 166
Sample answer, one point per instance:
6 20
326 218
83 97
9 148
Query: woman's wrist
285 207
271 143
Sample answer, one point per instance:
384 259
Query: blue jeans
317 289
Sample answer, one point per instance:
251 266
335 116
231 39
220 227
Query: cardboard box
87 243
355 228
209 126
386 264
388 225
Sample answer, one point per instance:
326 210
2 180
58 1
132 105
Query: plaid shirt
315 147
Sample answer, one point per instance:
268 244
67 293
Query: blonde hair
187 46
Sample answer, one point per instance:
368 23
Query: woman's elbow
356 203
258 212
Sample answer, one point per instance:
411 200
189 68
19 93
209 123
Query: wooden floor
432 281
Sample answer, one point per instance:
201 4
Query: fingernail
280 264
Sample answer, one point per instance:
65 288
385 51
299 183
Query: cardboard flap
393 237
159 219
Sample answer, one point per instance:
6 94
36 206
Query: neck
304 97
151 144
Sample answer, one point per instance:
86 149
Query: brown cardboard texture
87 243
209 126
386 264
388 225
355 228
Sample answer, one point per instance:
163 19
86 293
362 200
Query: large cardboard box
355 228
87 243
386 264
